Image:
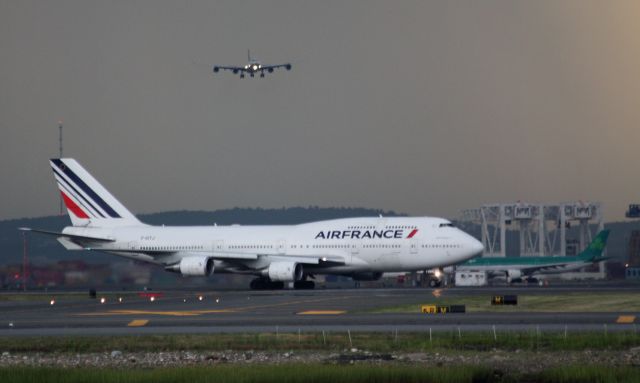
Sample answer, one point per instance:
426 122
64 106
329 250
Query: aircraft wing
529 270
234 69
221 255
70 236
560 266
304 259
237 256
309 259
287 66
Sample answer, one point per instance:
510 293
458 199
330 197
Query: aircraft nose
475 246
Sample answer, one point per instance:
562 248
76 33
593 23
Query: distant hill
45 249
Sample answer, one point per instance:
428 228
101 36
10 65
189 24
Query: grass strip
304 373
589 374
379 342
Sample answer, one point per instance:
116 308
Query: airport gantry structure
541 228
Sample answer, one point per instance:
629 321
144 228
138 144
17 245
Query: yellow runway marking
138 323
246 308
322 312
218 311
626 319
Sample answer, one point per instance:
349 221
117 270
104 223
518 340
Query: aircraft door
413 246
354 251
281 246
218 245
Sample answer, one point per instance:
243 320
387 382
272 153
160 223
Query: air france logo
364 234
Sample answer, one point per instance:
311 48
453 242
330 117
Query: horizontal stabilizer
71 236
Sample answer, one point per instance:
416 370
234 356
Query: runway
180 312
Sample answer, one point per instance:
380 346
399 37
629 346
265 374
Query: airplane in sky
361 248
252 67
514 268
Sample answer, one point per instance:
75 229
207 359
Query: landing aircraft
252 67
514 268
361 248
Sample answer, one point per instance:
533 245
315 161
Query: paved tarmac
181 312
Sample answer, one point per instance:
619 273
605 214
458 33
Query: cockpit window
448 224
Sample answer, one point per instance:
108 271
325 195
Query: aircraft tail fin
596 247
88 202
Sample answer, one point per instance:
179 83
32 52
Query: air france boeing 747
362 248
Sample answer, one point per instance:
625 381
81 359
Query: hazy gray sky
424 107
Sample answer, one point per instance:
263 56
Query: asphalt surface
181 312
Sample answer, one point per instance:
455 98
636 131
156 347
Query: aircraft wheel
265 284
276 285
258 284
304 285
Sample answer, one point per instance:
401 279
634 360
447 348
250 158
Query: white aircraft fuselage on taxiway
363 248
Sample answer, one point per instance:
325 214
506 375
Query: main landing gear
267 284
304 285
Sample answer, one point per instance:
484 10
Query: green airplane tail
596 247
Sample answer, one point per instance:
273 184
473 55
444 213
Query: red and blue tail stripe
81 189
71 193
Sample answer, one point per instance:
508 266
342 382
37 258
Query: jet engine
284 271
193 266
372 276
513 274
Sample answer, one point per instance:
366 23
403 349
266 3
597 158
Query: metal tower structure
25 260
541 228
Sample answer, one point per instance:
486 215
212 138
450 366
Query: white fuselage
360 244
